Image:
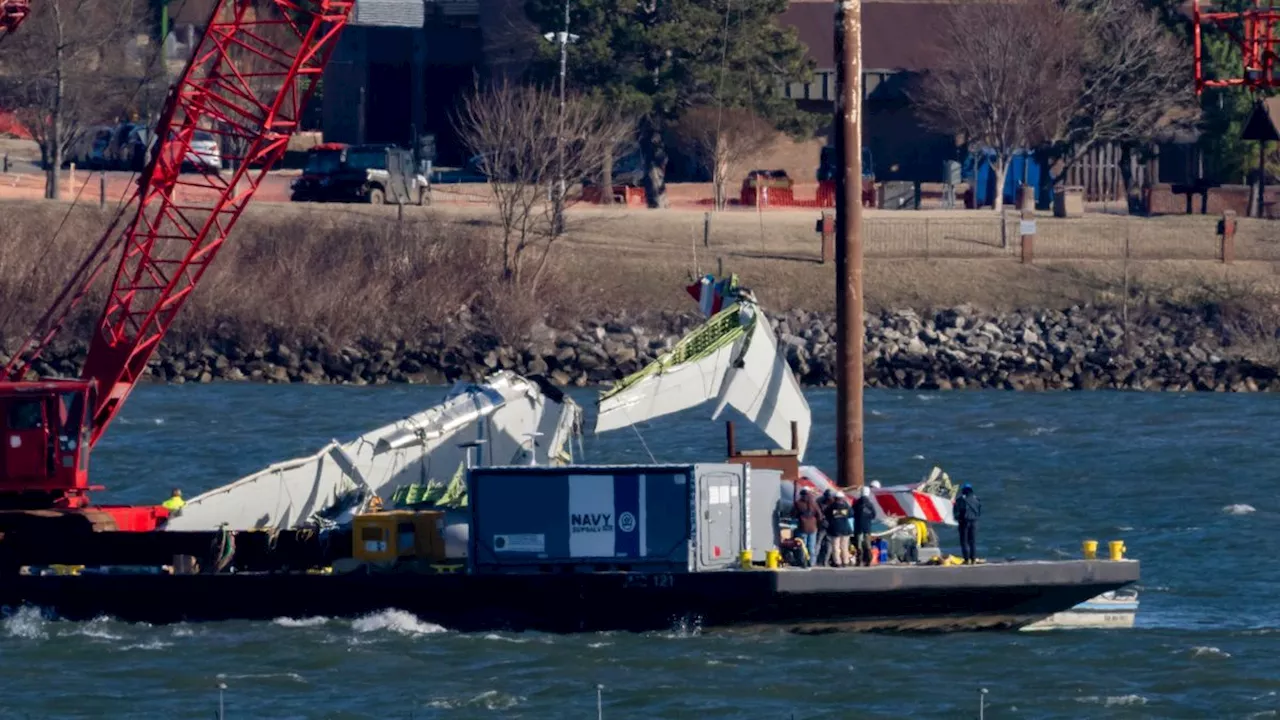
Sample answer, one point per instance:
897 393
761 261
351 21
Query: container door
717 518
27 455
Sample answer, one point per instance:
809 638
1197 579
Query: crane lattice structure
12 13
246 84
1256 30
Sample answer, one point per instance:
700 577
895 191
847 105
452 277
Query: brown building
899 42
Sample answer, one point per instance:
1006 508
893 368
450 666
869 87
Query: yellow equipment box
385 537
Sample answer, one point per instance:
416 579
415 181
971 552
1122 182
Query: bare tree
1137 81
1009 80
70 66
512 129
722 139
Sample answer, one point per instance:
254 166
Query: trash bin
1068 202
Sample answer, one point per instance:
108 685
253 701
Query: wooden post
1124 308
1027 230
1227 236
102 190
849 324
706 230
827 232
730 439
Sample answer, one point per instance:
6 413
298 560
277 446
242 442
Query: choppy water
1189 482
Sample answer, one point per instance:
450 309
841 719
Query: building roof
896 34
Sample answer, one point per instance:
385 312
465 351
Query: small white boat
1115 609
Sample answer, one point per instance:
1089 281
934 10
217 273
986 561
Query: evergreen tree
656 59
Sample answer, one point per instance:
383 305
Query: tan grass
351 271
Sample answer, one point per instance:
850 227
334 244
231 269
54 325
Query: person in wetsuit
967 510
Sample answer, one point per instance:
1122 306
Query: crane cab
45 428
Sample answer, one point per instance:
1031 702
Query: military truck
374 174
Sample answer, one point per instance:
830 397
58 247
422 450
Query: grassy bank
291 271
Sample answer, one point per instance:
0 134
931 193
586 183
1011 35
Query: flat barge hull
889 598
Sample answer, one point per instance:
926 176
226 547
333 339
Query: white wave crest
148 645
261 676
505 638
304 622
1206 651
1239 509
396 621
489 700
27 623
1114 700
93 630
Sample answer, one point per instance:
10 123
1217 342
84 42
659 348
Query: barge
556 549
884 598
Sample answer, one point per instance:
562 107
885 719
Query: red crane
12 13
1256 30
247 83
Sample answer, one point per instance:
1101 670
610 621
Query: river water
1187 481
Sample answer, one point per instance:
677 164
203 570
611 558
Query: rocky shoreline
1079 348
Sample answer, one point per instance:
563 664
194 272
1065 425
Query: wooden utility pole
849 329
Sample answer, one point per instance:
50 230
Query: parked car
116 156
139 144
90 150
336 172
203 154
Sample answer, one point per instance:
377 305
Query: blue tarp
1022 162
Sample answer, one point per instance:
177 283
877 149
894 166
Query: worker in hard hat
175 502
864 514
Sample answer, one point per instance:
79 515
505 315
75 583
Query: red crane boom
246 84
12 13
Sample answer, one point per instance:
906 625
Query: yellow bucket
1090 549
744 559
1117 549
772 559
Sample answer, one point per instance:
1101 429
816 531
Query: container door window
375 543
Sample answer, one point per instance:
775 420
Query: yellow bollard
1090 549
744 559
1117 549
772 559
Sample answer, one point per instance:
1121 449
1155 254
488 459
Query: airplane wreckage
421 461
